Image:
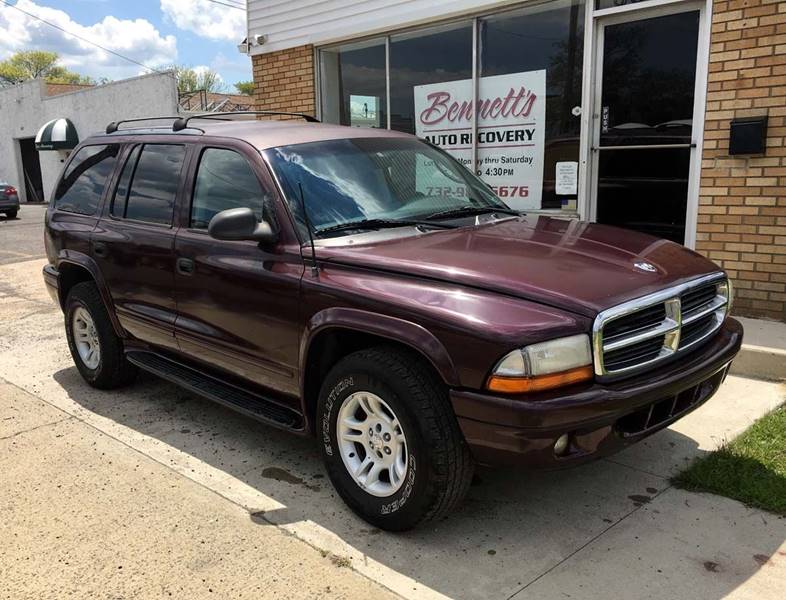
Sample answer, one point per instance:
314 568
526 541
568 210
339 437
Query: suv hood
573 265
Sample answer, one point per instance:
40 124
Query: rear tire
11 214
95 347
404 400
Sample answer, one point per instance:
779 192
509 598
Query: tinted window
224 180
83 182
154 184
121 192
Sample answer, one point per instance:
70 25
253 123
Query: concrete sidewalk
612 528
85 515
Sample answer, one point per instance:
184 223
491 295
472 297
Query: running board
242 400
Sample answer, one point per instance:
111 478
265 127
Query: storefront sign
511 115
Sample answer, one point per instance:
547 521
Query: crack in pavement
41 426
585 544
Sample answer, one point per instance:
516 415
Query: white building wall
291 23
25 107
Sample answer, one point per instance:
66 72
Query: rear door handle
100 249
185 266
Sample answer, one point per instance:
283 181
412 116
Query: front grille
645 331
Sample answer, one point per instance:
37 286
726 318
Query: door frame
597 20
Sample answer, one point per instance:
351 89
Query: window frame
130 146
185 214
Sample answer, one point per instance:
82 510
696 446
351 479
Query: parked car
9 200
362 287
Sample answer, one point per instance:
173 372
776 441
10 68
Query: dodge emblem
645 266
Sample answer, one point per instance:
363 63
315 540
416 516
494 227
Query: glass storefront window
537 54
430 56
354 84
529 96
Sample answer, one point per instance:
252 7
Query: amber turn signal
522 385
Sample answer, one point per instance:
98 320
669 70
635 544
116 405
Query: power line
82 38
237 6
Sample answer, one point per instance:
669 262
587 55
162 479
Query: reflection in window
434 55
648 83
224 181
548 38
154 184
83 183
391 178
353 84
118 208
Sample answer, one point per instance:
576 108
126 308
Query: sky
155 33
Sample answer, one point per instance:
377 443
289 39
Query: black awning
58 134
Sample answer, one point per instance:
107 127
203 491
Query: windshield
375 179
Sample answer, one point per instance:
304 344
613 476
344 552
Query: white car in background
9 200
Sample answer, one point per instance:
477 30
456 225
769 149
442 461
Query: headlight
725 290
543 366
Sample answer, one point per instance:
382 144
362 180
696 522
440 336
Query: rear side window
224 180
154 174
82 185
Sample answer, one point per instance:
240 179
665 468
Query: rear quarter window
83 182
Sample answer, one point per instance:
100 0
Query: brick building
625 108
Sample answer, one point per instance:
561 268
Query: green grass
751 469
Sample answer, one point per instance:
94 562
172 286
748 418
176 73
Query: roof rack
182 122
115 125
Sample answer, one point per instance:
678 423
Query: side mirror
240 224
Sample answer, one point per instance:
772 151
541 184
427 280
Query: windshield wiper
466 211
379 224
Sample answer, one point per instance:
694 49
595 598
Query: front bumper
600 418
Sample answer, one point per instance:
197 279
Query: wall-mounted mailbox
748 135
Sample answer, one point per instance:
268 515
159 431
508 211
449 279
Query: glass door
643 132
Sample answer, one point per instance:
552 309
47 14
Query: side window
224 180
82 185
151 196
118 208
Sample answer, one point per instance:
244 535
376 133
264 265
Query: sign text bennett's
516 103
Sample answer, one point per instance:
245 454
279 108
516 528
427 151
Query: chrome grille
648 330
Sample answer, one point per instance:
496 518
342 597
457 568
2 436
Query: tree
192 80
35 64
245 87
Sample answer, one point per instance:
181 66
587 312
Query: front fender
405 332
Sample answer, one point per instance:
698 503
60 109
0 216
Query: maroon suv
361 286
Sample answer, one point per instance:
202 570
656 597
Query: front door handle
185 266
100 249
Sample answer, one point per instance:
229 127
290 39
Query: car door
134 243
237 301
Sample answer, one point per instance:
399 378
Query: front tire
95 347
11 214
390 440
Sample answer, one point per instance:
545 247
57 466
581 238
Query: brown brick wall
742 203
285 80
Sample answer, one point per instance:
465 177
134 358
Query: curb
760 362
